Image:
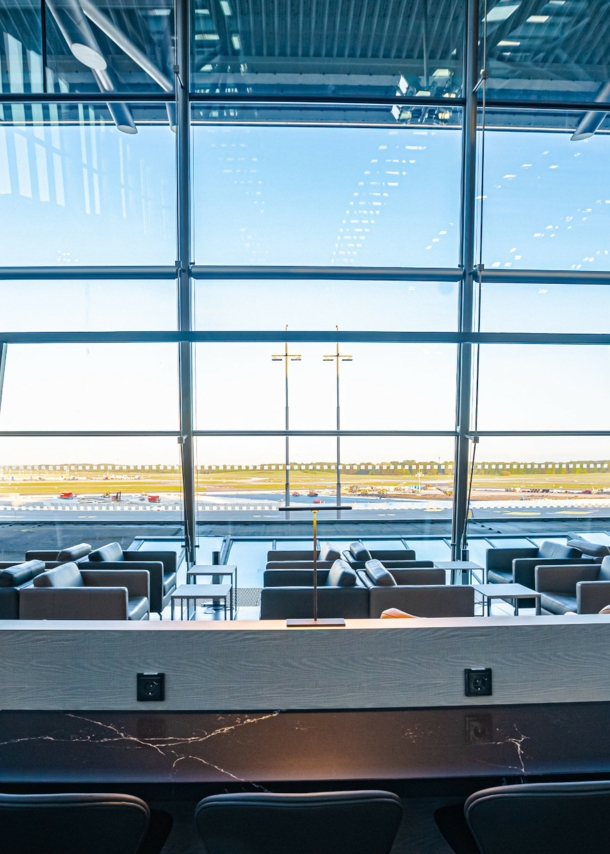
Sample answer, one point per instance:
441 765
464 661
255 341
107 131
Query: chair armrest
592 596
168 559
73 603
136 581
561 578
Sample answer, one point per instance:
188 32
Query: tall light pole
337 357
286 357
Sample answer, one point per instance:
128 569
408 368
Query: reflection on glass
555 50
544 388
89 193
271 305
546 200
101 478
75 306
328 49
326 196
91 46
90 387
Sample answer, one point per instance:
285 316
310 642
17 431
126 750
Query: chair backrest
111 552
21 573
361 822
66 575
423 600
341 575
557 550
72 824
282 603
393 554
562 818
74 552
501 560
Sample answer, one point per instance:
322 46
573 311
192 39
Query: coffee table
507 591
223 570
464 566
195 592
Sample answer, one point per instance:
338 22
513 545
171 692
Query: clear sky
289 196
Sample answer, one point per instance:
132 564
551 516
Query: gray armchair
583 589
71 593
423 600
357 555
161 565
55 557
517 566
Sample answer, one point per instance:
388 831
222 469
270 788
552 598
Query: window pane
545 308
267 305
542 478
547 197
382 387
90 387
74 480
81 306
89 192
544 388
328 49
326 196
554 51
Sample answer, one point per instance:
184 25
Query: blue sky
290 196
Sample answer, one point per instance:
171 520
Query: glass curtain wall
272 251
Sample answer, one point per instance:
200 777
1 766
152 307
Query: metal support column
466 304
185 298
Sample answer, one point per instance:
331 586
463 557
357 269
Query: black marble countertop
190 747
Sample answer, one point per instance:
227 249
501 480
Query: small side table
507 591
464 566
195 592
223 570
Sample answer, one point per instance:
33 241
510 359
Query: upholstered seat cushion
556 603
588 548
111 552
66 575
495 576
21 573
341 575
74 552
378 574
169 582
396 613
137 608
359 552
329 551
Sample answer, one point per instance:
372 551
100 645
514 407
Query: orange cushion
605 610
391 613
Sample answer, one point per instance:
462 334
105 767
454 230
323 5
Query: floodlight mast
286 357
338 357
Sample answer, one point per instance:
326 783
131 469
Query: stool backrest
562 818
72 824
362 822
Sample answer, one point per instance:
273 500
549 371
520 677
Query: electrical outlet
478 681
151 687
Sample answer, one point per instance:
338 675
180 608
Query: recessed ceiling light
537 19
507 43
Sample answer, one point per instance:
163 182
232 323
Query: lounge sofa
288 593
358 594
508 566
577 588
162 566
13 577
55 557
69 592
